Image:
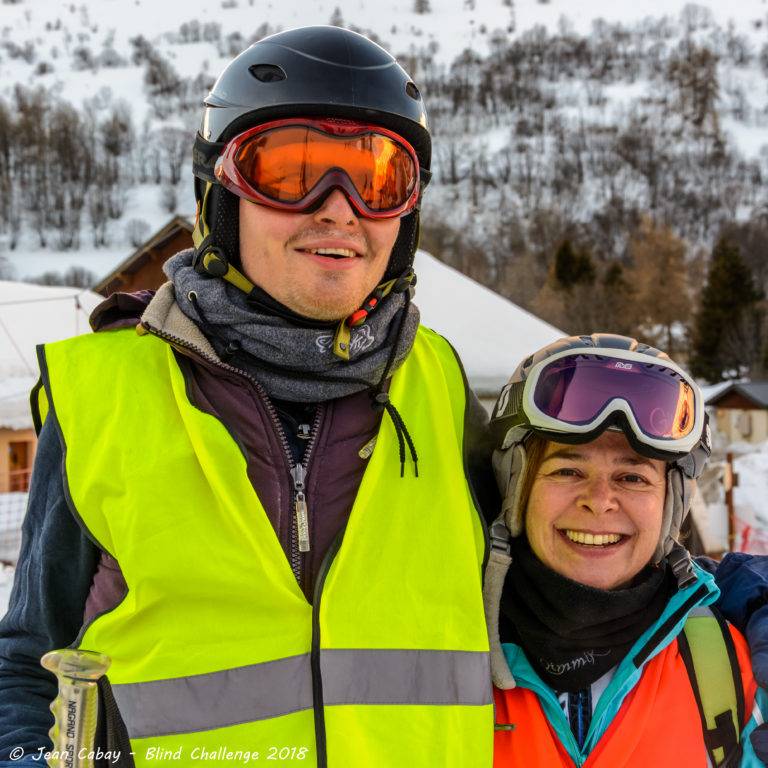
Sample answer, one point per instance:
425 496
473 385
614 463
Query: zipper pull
300 505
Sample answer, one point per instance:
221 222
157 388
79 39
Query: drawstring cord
403 436
232 348
380 397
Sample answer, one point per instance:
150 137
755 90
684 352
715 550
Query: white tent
30 315
491 334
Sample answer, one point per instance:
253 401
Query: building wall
149 275
749 425
734 400
23 444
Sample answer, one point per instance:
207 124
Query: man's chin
325 314
324 310
327 307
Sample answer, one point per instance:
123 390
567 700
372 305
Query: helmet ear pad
677 505
509 466
404 249
226 228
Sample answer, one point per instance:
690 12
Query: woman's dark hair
535 448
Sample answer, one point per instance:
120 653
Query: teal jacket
627 675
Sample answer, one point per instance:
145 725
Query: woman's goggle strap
292 164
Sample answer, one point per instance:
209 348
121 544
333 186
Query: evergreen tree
728 305
336 20
421 6
573 267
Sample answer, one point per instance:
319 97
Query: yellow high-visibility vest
215 650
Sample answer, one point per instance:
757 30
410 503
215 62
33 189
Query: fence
12 509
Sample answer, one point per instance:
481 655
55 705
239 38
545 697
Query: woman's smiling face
595 510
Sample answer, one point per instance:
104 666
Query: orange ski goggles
292 164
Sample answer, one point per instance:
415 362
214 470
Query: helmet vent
267 73
412 91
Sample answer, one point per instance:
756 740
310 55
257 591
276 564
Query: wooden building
17 454
143 269
741 411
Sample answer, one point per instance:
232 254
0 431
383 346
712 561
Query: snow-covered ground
750 497
6 583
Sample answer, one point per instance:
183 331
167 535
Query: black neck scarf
571 633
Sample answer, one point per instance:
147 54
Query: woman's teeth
592 539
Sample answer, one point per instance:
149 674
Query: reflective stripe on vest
363 676
212 646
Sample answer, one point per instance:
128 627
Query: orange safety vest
658 723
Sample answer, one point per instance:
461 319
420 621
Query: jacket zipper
300 518
297 472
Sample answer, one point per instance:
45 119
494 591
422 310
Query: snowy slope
52 33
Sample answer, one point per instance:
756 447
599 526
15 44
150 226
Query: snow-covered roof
31 315
754 391
711 391
491 334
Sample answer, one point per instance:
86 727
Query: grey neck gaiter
292 362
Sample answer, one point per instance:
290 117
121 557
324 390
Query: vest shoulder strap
709 654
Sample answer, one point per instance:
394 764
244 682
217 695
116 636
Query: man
266 512
265 519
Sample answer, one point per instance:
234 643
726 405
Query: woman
604 652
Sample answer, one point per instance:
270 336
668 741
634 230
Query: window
19 468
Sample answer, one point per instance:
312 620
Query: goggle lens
286 163
576 390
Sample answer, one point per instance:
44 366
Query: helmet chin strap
343 335
215 264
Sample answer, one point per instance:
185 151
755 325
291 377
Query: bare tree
174 145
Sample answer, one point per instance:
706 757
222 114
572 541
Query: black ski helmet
321 71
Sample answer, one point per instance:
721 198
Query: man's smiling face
322 265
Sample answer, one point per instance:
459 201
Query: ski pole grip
76 708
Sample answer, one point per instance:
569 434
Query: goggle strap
204 156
